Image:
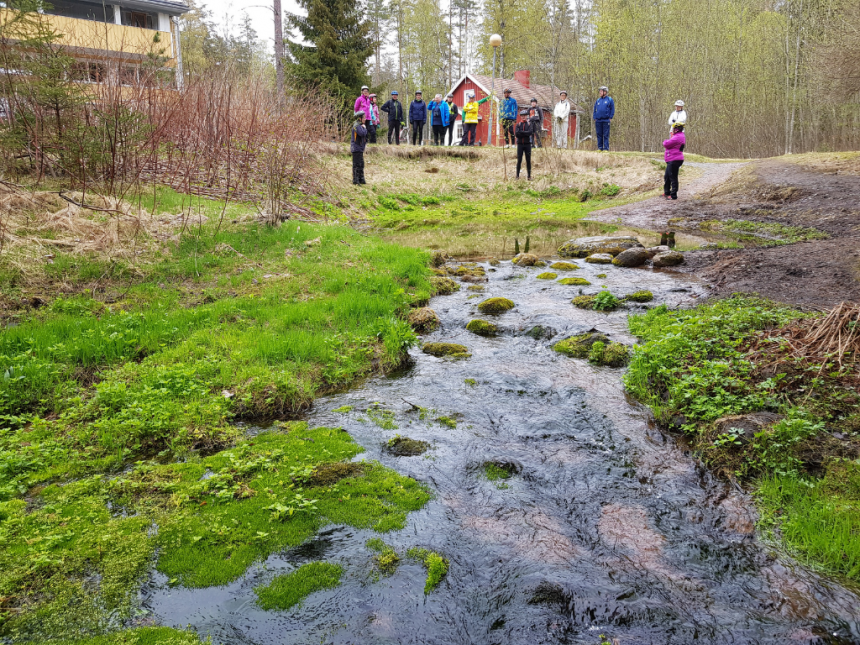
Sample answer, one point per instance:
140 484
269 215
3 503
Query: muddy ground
815 273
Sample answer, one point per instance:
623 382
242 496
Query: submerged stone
540 332
470 269
446 349
583 302
476 287
596 347
580 282
423 320
406 447
631 258
563 266
584 246
495 306
599 258
670 259
482 328
444 286
547 276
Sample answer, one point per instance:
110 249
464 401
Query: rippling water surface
607 527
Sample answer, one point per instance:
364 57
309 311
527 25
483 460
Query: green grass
143 636
287 591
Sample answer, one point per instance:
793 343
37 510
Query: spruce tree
340 44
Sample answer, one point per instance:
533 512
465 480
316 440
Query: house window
137 19
85 72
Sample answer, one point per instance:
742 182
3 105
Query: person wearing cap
470 118
536 120
374 119
394 109
417 118
362 104
508 117
439 115
356 147
561 115
453 113
524 133
679 115
604 112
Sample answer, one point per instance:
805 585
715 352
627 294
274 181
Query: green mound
495 305
640 296
444 286
596 347
482 328
582 282
564 266
406 447
547 276
446 349
289 590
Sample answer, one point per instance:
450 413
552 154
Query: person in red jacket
674 157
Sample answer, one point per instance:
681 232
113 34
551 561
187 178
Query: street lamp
495 41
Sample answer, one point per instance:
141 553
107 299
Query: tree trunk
279 47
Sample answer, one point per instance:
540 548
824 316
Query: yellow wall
102 40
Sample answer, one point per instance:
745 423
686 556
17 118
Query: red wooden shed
523 91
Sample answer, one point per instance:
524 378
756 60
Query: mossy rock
640 296
423 320
601 275
579 346
470 269
482 328
444 286
446 349
547 276
495 306
540 263
476 287
438 258
525 259
599 258
328 474
406 447
564 266
581 282
583 302
596 347
439 272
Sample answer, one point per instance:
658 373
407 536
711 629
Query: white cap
679 103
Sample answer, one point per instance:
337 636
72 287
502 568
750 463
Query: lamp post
495 41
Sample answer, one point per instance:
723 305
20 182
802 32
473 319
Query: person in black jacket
524 133
417 118
356 147
536 120
453 111
394 109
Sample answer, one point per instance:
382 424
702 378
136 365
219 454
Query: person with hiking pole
604 112
394 109
356 147
438 111
524 132
508 117
374 119
362 104
674 157
536 120
417 119
470 118
561 114
453 112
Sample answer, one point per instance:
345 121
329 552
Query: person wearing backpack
453 112
524 132
417 119
356 147
394 109
439 114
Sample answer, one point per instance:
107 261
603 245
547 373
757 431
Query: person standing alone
453 111
394 109
679 115
604 112
356 147
417 118
524 132
508 116
561 114
674 157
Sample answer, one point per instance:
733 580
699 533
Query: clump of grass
444 286
344 409
494 472
436 565
448 421
611 355
381 417
287 591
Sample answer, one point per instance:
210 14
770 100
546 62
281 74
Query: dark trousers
470 131
601 130
394 131
536 137
371 133
508 129
438 135
450 131
417 133
358 168
524 149
670 178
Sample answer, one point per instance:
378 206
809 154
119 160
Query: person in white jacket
678 116
561 115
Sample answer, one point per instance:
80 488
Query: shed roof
547 96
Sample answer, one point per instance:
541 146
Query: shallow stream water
608 526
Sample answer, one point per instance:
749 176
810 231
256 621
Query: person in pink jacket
674 157
362 104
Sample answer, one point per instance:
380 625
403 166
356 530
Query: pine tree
336 59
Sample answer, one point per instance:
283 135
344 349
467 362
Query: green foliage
605 301
494 472
447 421
289 590
436 565
144 636
386 559
640 296
610 190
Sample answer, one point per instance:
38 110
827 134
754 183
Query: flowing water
607 526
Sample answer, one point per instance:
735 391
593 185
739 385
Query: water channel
608 525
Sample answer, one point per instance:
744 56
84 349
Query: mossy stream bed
600 523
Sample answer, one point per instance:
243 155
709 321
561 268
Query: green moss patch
547 276
436 565
444 286
447 421
470 269
386 559
582 282
495 306
640 296
446 349
142 636
482 328
603 301
406 447
495 471
564 266
287 591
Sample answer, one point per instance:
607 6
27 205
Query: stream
607 526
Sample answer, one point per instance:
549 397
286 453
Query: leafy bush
611 190
606 301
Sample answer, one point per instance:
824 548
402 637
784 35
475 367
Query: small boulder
423 320
525 259
599 258
670 259
631 258
495 306
482 328
640 296
406 447
446 349
540 332
745 426
596 347
654 250
584 246
547 276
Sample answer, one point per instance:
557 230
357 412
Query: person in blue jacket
417 118
439 115
508 117
604 112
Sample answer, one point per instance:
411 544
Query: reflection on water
607 526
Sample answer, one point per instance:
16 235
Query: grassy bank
118 447
765 400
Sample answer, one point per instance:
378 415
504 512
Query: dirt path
817 274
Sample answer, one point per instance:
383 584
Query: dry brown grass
839 163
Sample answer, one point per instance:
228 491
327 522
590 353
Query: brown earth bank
814 195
